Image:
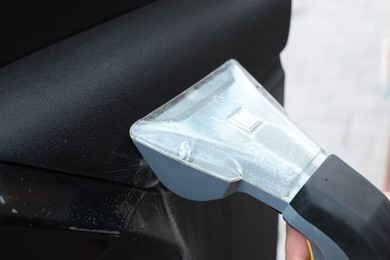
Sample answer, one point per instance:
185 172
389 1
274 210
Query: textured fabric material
69 107
28 26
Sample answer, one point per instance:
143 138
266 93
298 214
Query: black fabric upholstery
69 107
27 26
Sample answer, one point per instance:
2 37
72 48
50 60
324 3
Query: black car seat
74 76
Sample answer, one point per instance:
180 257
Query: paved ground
337 65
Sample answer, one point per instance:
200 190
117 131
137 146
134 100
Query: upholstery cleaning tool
227 134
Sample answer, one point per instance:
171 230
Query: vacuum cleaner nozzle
226 134
223 131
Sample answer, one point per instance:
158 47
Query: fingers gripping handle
322 246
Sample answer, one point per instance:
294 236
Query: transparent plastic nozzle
229 127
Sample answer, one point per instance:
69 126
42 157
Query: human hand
297 247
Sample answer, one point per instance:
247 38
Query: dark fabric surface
69 107
61 216
27 26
